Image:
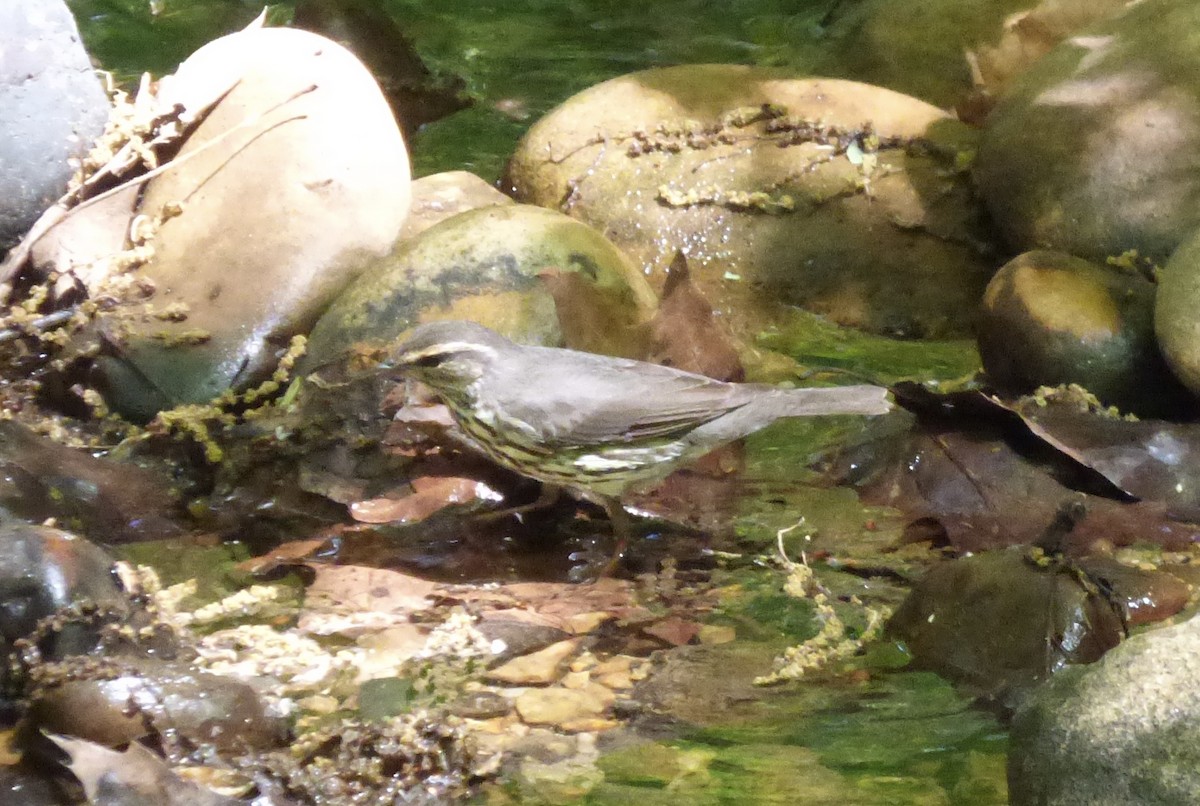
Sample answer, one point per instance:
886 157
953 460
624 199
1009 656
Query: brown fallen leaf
971 470
686 335
292 552
430 495
674 630
375 590
595 318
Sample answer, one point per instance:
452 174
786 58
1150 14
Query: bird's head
447 356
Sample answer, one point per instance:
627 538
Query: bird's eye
428 360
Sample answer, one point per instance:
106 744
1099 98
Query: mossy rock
1049 318
482 266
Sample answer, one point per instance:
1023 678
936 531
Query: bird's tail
764 409
861 399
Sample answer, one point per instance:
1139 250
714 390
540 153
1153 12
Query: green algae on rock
1176 321
842 198
483 266
1050 319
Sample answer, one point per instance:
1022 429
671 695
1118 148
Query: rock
310 180
481 265
579 708
43 570
921 48
103 499
52 106
1122 731
519 637
1000 623
1176 322
544 666
440 196
152 697
1049 319
776 191
27 786
1094 151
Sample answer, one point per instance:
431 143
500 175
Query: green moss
213 567
818 344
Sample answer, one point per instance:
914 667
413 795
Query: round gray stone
52 107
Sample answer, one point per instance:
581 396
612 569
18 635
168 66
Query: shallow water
869 731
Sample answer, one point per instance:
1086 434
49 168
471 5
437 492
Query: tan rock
559 706
716 634
576 680
292 183
838 197
440 196
544 666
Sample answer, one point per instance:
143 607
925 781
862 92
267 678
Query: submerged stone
1001 623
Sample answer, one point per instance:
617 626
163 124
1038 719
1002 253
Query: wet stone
1002 622
544 666
149 697
42 571
568 708
1049 319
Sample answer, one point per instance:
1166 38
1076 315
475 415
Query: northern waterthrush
591 423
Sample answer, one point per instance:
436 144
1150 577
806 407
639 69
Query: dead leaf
134 776
684 333
595 318
973 470
370 589
292 552
430 495
674 630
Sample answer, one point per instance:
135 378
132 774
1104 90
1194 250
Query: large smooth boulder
52 106
1096 151
838 197
295 181
926 49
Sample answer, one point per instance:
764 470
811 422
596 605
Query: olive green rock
482 265
1094 150
1121 732
1177 312
1049 318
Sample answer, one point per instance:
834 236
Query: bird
594 424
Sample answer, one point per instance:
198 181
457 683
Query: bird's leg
622 531
548 496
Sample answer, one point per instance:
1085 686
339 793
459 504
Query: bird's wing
609 400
